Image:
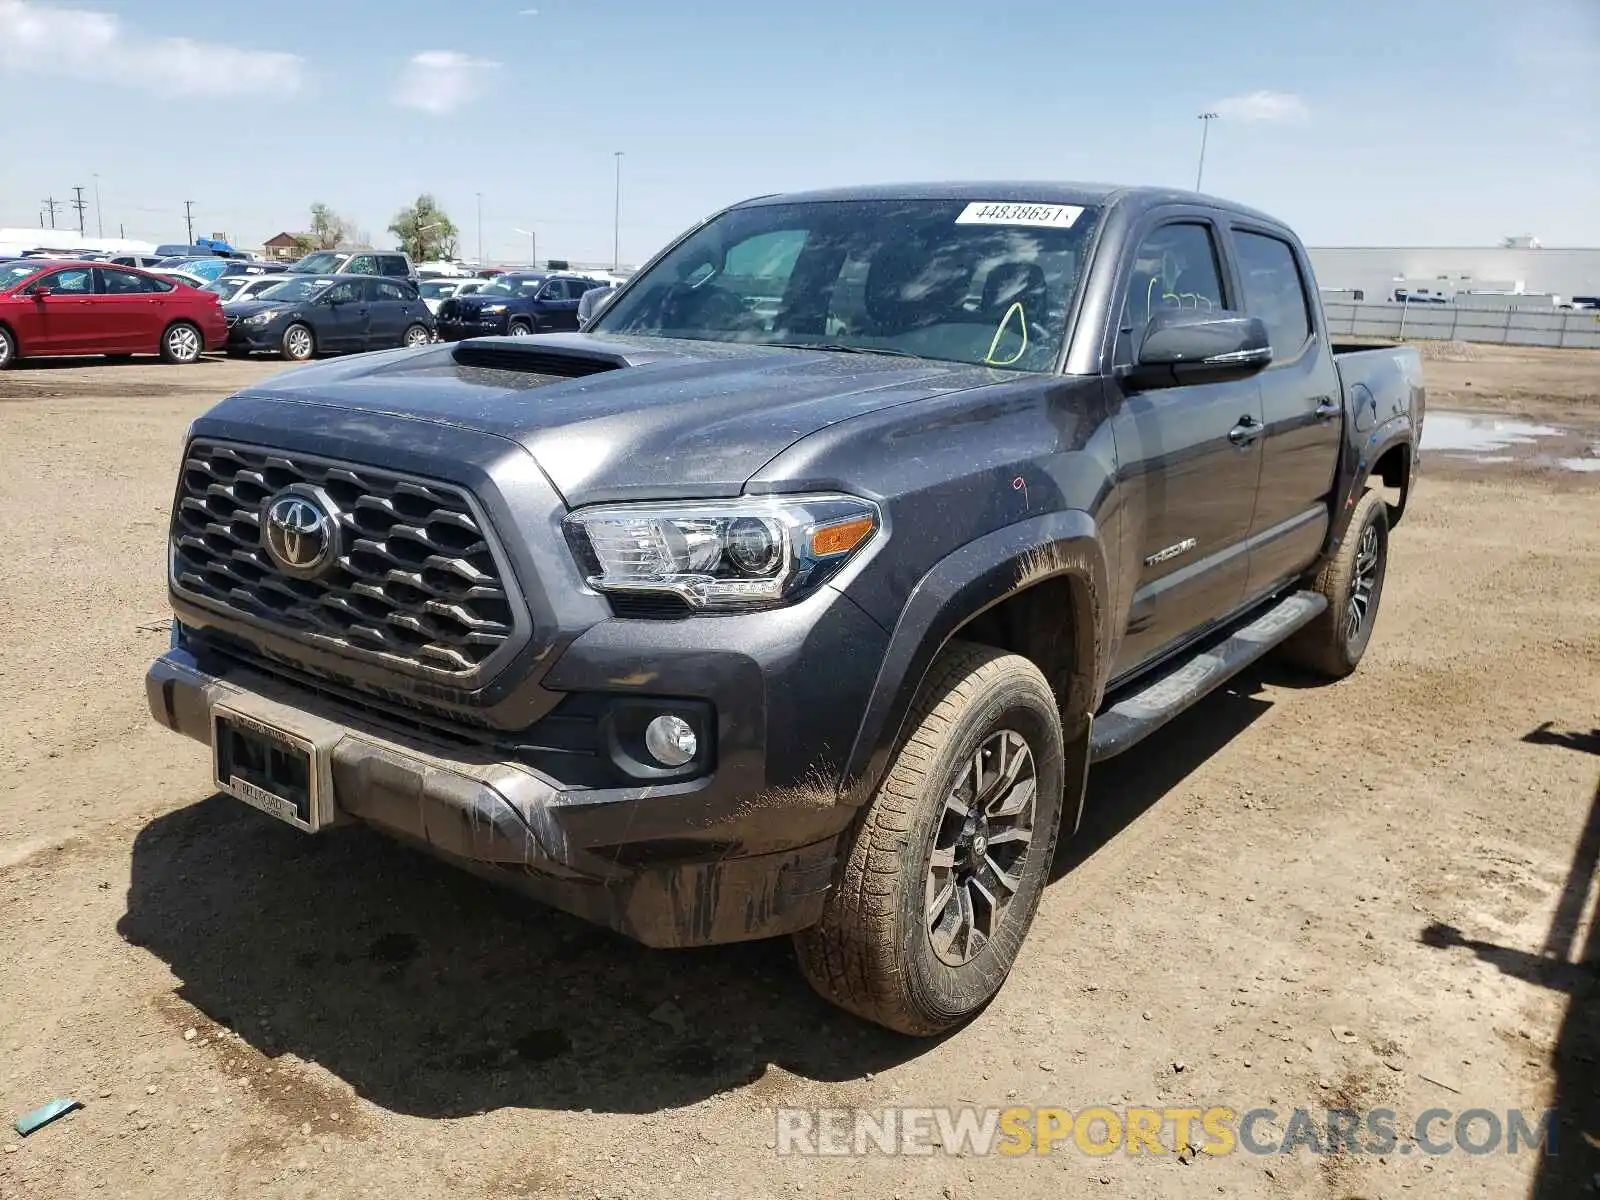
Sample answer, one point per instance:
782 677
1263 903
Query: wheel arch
1039 589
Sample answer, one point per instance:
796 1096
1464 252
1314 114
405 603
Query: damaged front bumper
565 846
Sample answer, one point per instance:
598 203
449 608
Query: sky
1369 122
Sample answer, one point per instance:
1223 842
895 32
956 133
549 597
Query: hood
249 308
611 418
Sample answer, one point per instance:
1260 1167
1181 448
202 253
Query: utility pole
99 221
1205 119
51 204
80 204
480 229
616 228
188 217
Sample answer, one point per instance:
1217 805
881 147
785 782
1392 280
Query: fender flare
958 588
1396 431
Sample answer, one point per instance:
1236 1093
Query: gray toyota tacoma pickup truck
798 593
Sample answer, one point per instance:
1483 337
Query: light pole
99 225
1205 119
533 245
480 229
616 227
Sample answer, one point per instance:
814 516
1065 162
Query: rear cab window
1274 291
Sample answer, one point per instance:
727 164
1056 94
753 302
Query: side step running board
1132 719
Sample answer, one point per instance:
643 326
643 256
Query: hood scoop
526 356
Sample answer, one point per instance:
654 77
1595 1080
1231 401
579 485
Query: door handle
1328 408
1246 431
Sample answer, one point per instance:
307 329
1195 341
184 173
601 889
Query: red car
51 307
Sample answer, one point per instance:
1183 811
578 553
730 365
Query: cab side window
75 281
344 293
1274 291
1176 266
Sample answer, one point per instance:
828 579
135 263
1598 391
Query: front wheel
416 335
298 343
942 872
8 348
181 343
521 329
1352 581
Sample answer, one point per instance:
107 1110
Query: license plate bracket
271 769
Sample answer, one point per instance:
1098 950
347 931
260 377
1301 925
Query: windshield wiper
839 348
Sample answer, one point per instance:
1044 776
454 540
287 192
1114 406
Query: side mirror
1186 345
43 290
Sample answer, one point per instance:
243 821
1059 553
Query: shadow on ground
435 994
1566 964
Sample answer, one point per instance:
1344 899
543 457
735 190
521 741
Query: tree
328 229
304 243
423 229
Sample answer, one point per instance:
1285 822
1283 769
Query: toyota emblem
300 534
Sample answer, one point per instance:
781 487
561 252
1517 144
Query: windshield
436 289
988 282
294 289
322 263
512 285
11 273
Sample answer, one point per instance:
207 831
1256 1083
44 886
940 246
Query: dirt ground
1368 894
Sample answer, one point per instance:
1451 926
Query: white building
1519 267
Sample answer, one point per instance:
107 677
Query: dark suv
391 264
518 303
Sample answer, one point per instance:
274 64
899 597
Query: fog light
670 740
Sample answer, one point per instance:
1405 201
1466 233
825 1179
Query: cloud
1263 106
527 12
441 81
86 44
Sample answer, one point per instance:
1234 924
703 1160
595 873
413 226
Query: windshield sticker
997 212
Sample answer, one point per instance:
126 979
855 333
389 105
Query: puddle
1483 439
1471 431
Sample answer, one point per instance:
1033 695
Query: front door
557 305
1189 457
66 319
345 313
1300 400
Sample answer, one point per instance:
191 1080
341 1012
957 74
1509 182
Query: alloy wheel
183 343
976 868
1362 583
299 343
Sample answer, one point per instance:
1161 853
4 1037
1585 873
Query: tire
521 329
8 348
415 336
1352 580
181 344
299 343
874 953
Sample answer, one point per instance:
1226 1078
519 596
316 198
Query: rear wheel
181 343
416 335
1352 580
8 348
298 343
941 876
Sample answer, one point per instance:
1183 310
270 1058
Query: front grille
418 585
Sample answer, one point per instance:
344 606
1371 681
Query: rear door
388 313
1301 407
132 311
1188 457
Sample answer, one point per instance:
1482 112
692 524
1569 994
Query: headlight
490 310
736 554
261 318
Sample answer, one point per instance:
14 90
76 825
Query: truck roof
1017 191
